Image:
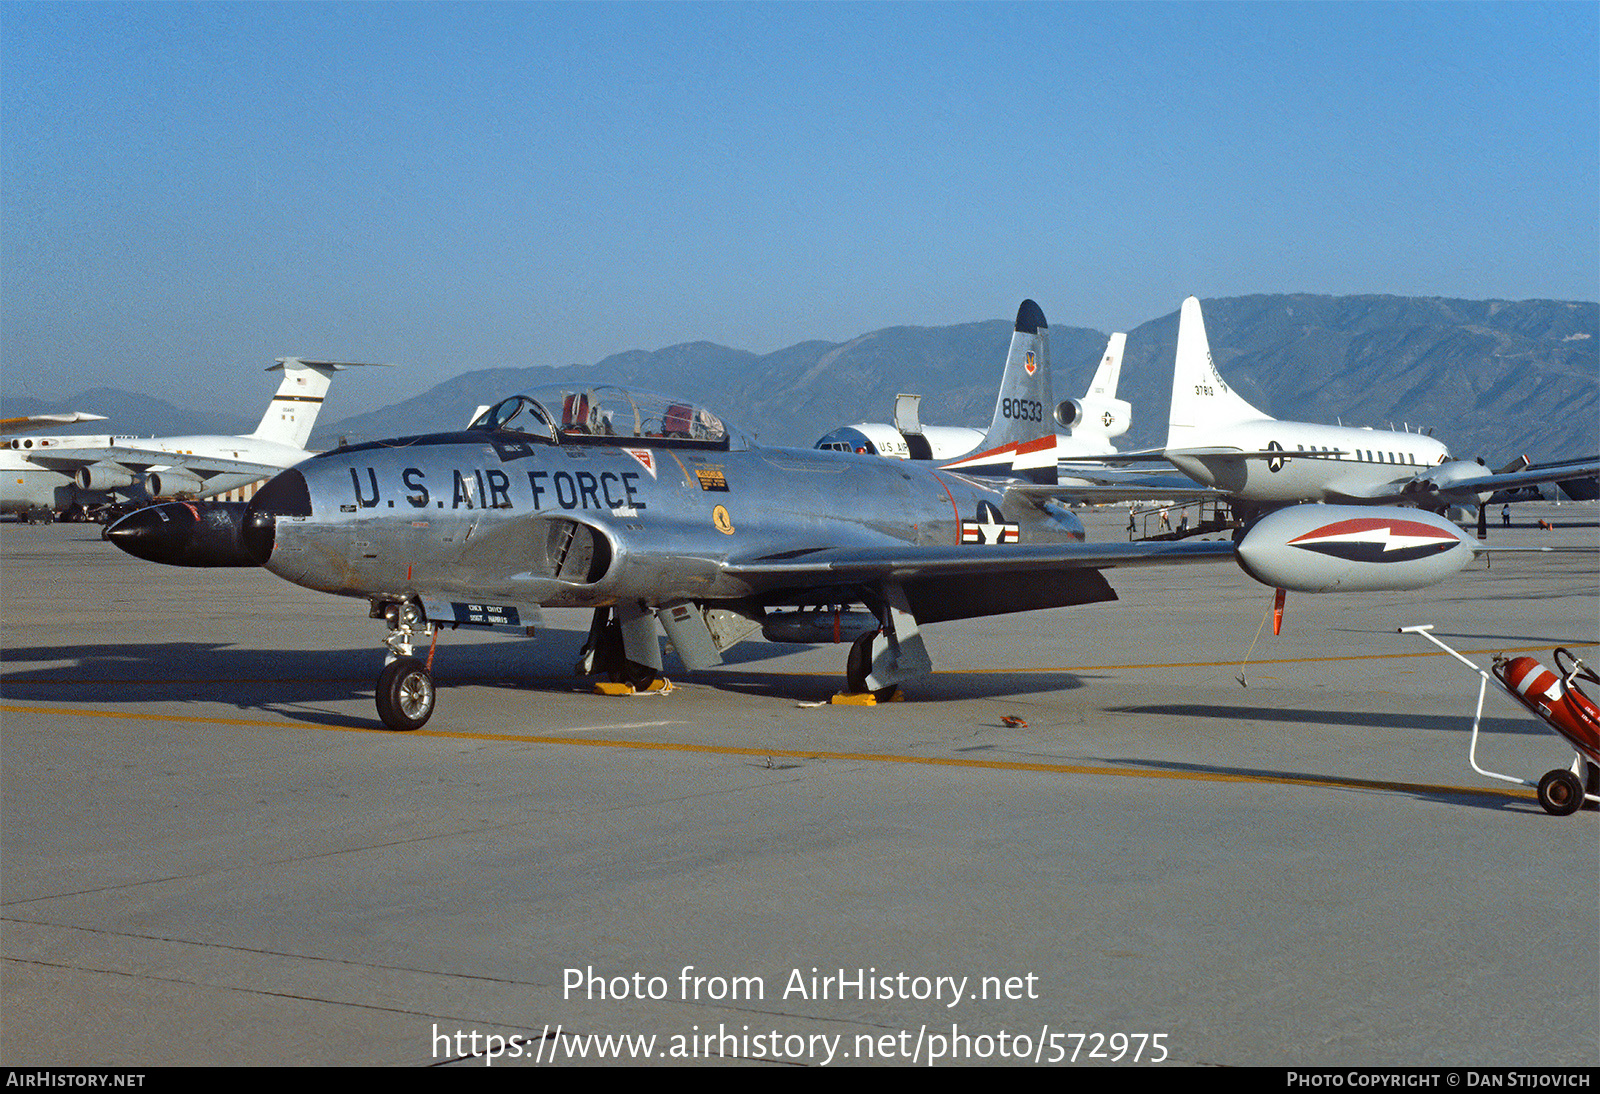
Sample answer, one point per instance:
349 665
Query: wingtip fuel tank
1352 548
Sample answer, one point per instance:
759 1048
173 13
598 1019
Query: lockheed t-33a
653 512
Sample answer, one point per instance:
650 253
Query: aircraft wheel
405 694
858 666
1560 793
637 676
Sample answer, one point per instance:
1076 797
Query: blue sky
189 191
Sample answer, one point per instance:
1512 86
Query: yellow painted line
73 712
808 754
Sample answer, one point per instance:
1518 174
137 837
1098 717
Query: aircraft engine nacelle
1103 417
1441 481
104 476
1346 548
171 482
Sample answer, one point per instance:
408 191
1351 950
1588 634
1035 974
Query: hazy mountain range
1491 378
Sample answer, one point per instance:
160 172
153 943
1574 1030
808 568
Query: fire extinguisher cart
1554 697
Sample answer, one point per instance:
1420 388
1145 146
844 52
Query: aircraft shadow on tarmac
280 680
1460 722
1496 642
1496 799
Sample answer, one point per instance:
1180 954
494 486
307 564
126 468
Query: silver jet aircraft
655 514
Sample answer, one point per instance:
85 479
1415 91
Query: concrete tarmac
213 853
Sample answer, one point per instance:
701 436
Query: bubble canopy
608 414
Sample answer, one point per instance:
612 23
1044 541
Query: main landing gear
614 633
405 687
858 666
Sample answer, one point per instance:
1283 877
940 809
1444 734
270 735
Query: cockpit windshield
607 414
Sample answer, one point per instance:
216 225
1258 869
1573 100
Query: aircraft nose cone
159 533
201 533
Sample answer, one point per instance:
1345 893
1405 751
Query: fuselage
586 521
1319 463
26 483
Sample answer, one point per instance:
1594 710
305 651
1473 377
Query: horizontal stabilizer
30 422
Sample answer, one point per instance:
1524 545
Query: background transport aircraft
1219 440
652 512
1025 399
41 475
1021 441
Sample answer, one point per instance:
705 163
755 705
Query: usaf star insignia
990 527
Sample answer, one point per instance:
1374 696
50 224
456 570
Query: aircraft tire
405 694
859 664
1560 793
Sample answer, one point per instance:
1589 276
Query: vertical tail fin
1104 384
1201 401
293 410
1025 405
1099 415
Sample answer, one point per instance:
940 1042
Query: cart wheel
1560 793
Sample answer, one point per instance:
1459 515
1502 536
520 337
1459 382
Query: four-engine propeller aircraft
652 511
1258 462
54 473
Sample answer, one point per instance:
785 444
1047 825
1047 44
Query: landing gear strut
606 652
405 687
858 666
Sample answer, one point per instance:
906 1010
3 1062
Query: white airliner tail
1104 384
1099 415
1202 404
293 410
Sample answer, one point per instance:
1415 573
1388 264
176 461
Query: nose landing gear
405 694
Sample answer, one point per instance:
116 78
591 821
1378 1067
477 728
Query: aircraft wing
855 564
1137 455
964 582
1149 455
1079 484
1464 482
141 459
28 423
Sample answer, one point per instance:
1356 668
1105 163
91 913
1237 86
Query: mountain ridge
1494 378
